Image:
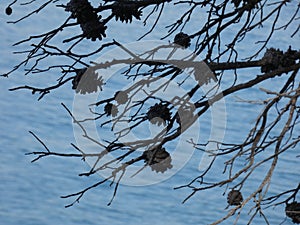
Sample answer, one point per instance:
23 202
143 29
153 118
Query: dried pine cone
184 116
234 197
182 39
81 10
158 114
90 23
204 75
121 97
125 12
158 159
274 59
87 81
271 60
93 29
8 10
293 211
77 78
110 109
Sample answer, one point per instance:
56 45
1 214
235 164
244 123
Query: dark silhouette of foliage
217 38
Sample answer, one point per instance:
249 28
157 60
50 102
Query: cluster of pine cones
275 58
90 23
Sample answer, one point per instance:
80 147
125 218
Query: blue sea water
30 192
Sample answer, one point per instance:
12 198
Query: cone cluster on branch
90 23
275 58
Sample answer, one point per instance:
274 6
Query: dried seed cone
183 40
159 114
110 109
234 197
158 159
121 97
